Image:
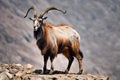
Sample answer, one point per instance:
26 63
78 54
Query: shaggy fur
52 40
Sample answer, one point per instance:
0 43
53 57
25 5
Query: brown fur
60 45
52 39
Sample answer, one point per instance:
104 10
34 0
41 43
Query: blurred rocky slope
97 21
28 72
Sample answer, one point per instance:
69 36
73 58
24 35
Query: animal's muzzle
35 28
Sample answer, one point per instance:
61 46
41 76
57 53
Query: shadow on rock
39 71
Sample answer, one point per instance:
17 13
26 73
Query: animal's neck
40 37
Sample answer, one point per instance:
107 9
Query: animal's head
38 20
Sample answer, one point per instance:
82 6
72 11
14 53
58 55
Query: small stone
18 78
9 75
13 71
29 68
69 76
19 65
20 74
25 77
4 65
3 76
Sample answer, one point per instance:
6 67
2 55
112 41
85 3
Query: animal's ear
31 19
44 18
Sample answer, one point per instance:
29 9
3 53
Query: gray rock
4 76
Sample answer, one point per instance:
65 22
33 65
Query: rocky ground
29 72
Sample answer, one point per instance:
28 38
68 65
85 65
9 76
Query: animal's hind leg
68 55
79 58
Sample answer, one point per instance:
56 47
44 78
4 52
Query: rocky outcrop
29 72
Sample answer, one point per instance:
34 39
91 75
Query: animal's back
66 32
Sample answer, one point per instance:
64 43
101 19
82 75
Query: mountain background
97 22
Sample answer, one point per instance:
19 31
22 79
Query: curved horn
48 9
35 11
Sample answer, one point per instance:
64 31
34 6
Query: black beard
38 33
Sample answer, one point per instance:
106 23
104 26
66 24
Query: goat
52 40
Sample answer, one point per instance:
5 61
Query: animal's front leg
52 67
45 63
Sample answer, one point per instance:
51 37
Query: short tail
81 54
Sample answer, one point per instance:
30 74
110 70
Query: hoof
46 72
51 72
80 72
66 71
